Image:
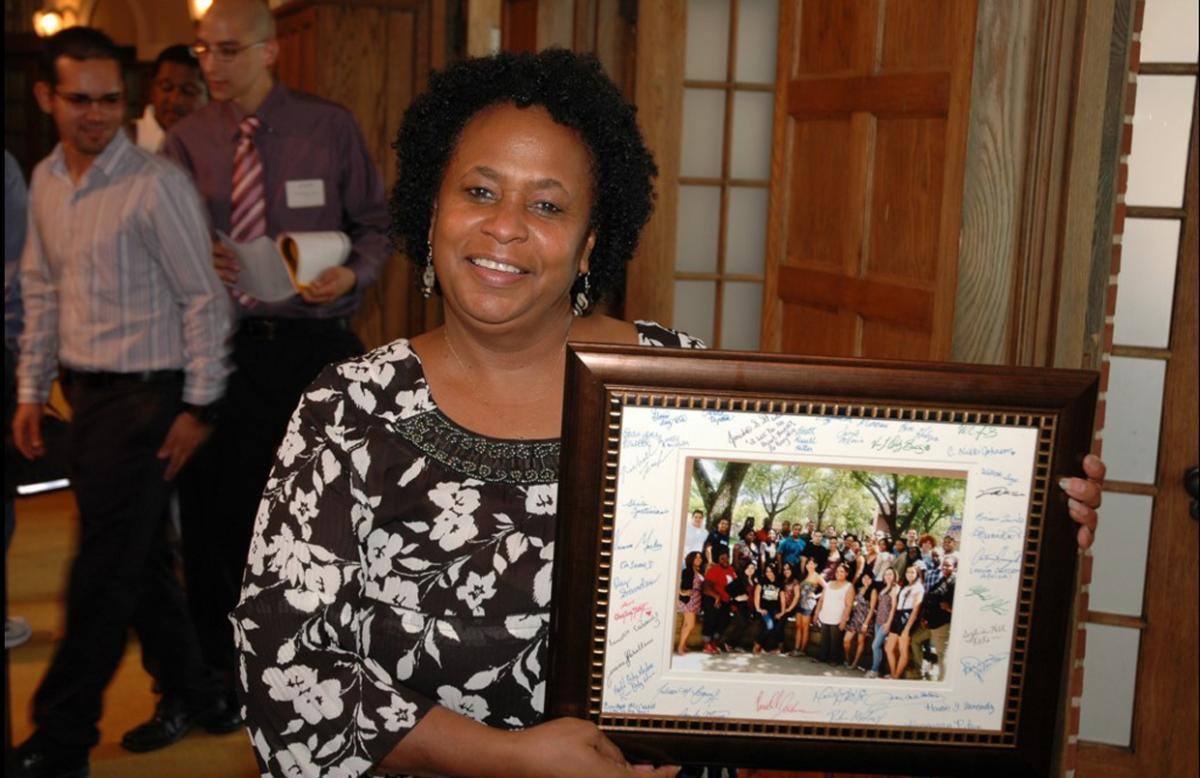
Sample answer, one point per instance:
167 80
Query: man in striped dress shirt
121 297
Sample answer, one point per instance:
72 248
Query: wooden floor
37 568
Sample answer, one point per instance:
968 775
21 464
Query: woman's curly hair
575 91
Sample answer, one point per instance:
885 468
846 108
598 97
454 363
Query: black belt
272 328
98 379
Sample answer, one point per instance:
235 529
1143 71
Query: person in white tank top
833 611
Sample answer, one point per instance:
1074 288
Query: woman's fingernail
1063 482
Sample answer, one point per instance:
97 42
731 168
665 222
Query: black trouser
771 637
122 575
716 619
220 490
831 643
736 632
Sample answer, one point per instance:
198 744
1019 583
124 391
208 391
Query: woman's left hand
1084 498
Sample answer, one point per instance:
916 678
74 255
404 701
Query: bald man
316 175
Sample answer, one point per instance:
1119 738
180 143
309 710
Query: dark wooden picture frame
604 382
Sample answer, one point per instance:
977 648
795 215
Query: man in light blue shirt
792 547
122 303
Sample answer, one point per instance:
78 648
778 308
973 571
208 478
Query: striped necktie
247 219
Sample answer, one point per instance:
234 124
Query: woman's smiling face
511 224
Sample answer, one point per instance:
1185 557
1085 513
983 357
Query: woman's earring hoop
428 279
580 306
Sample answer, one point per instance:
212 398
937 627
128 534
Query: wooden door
1163 740
872 104
374 58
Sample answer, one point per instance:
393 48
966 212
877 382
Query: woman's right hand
568 747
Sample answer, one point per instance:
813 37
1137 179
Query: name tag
306 193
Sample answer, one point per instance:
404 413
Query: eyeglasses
224 52
81 100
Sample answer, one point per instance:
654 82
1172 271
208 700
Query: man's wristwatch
205 414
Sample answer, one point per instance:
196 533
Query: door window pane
746 236
1169 31
1149 249
1119 577
703 132
697 228
1135 390
741 315
751 152
757 36
1109 679
1162 121
695 304
707 40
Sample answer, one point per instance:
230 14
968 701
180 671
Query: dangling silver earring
580 306
428 279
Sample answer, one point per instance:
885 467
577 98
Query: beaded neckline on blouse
487 459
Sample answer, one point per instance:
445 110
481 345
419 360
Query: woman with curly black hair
395 607
395 604
578 96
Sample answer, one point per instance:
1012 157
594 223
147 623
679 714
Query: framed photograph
735 576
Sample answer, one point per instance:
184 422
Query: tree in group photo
849 500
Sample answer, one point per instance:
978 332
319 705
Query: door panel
870 137
834 35
907 190
822 331
831 151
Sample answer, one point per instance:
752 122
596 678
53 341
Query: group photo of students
818 571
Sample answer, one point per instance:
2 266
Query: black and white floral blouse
398 562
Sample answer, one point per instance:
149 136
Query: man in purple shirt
316 176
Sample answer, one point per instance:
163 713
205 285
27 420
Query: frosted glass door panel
707 40
695 303
751 153
1119 575
703 130
1169 31
697 229
741 316
746 235
1135 390
757 34
1109 679
1150 248
1161 122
